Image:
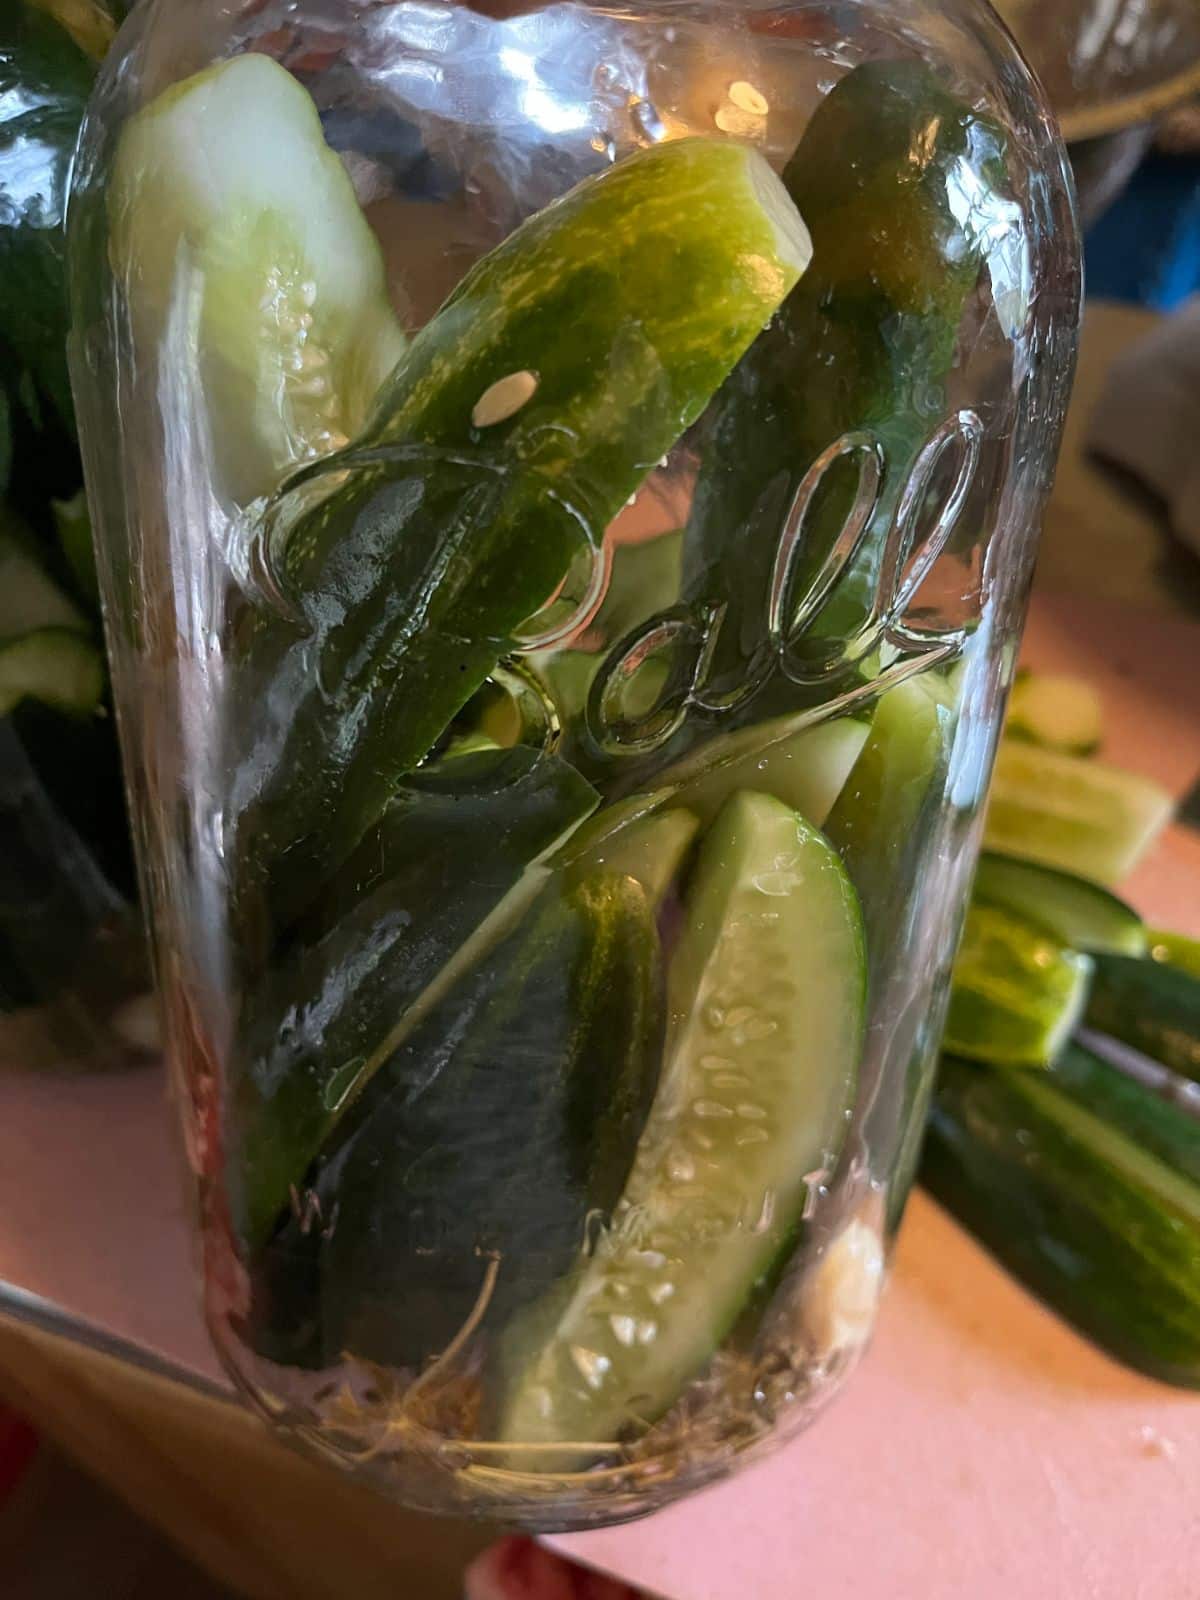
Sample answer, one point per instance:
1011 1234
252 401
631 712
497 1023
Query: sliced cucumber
29 598
1016 995
1056 711
58 666
1105 1231
1075 910
1079 815
228 174
766 997
462 1183
649 849
1175 950
805 768
1151 1007
878 811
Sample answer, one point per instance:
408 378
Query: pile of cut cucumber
1065 1128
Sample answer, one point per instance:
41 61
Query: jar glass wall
567 484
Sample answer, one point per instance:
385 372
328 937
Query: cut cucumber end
1016 995
1082 816
1056 711
58 666
753 1099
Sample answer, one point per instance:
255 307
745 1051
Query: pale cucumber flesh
1057 711
224 193
1081 816
766 996
58 666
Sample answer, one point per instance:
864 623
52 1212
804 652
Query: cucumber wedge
877 814
1104 1230
58 666
1016 995
1073 909
454 848
1175 950
1151 1007
228 174
1066 812
805 768
766 996
463 1181
651 850
523 416
1057 712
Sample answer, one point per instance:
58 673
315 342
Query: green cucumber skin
452 843
412 577
865 341
1112 1244
45 81
1151 1007
1165 1130
1175 950
696 1196
1080 913
494 1130
1016 994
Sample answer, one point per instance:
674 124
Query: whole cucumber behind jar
1106 1230
865 342
523 416
460 1186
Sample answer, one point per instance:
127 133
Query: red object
520 1569
18 1446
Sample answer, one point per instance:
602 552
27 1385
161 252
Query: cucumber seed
504 398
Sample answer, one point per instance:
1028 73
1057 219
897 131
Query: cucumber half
228 173
1016 994
766 998
1150 1007
1056 711
1079 815
1073 909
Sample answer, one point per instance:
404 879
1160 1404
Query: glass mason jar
564 556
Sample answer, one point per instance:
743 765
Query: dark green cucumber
454 843
464 1180
865 342
1103 1230
766 997
1151 1007
1156 1124
45 81
523 416
1073 909
1016 994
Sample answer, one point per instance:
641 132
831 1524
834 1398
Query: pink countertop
981 1450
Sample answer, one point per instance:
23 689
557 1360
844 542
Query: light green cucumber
876 815
805 767
1057 711
1175 950
29 597
58 666
1074 910
650 849
766 998
1016 994
1082 816
224 188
